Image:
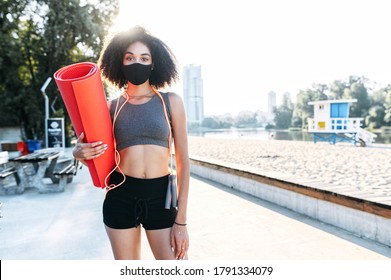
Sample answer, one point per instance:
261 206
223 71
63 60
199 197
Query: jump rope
171 190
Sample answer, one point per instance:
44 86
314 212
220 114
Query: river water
262 134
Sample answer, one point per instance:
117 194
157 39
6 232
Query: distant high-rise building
193 94
272 103
287 95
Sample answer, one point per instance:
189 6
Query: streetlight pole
43 88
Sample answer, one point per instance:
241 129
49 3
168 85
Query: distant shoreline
360 169
261 133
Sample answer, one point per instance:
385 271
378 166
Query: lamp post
43 88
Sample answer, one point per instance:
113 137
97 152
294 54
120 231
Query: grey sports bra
142 124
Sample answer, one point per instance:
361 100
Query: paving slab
223 224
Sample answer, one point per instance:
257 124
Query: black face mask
137 73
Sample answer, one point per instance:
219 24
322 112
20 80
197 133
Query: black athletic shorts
137 201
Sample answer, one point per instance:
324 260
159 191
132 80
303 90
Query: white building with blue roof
331 123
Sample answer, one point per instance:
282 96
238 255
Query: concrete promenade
223 225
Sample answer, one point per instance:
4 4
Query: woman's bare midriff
144 161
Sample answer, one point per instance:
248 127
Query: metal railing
334 125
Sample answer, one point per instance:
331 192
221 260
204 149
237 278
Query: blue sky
249 47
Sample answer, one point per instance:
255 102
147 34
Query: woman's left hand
179 241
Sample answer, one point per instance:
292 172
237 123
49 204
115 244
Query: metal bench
66 174
55 166
31 169
5 172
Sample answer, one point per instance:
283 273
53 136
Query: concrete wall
373 223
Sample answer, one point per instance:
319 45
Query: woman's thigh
159 241
125 243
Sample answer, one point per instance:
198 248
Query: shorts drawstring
140 208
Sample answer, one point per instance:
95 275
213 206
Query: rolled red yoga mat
81 89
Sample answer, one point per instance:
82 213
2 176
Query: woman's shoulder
172 96
174 100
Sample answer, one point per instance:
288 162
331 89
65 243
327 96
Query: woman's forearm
183 180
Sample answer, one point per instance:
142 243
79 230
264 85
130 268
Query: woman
143 122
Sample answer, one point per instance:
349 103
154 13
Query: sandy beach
358 169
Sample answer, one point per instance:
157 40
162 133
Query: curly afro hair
164 62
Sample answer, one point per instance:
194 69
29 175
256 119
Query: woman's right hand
85 151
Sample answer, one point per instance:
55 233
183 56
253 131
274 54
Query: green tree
302 110
39 37
210 122
379 113
375 117
215 122
246 118
282 117
356 90
378 97
387 106
11 87
283 113
337 89
225 121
